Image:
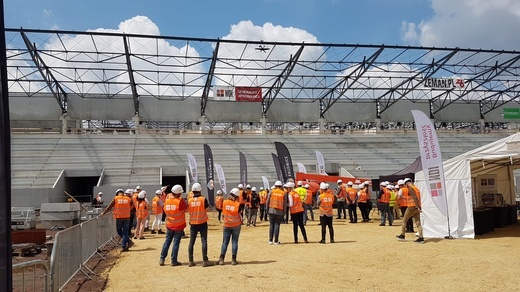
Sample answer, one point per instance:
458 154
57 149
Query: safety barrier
20 277
73 247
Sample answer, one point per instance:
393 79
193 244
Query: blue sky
463 23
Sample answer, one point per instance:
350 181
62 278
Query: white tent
498 159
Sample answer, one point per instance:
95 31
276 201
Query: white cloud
468 24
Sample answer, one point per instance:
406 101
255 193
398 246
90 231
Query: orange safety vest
351 193
342 192
385 197
308 199
411 203
176 219
402 201
276 201
241 197
122 207
156 207
134 198
297 203
218 202
362 196
248 194
198 214
263 197
326 201
141 209
231 214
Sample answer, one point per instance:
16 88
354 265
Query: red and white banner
431 160
193 167
221 177
248 94
321 163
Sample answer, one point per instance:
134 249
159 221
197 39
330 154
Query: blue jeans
122 227
274 226
232 233
194 229
384 208
308 208
176 236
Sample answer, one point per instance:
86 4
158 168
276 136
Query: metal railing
20 275
75 246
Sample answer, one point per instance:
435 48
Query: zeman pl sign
443 83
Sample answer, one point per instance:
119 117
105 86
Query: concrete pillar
64 119
482 123
264 126
322 122
202 125
378 125
137 123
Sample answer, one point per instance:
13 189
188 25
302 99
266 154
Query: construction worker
164 196
175 210
241 200
308 204
352 200
263 198
218 204
99 199
413 210
276 203
393 200
157 211
141 212
325 202
247 201
383 204
402 200
135 193
254 203
341 196
198 208
396 205
232 226
363 202
296 210
122 205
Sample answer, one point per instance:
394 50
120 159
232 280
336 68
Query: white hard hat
219 192
253 189
163 189
400 182
390 187
361 185
285 185
117 192
407 180
138 188
306 186
100 193
339 181
366 183
158 192
248 186
382 183
128 191
240 186
196 187
141 195
350 183
323 186
278 183
177 189
396 187
234 192
273 187
300 183
261 188
290 184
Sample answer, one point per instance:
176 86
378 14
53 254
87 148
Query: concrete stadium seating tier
129 160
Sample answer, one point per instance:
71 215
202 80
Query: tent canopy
407 172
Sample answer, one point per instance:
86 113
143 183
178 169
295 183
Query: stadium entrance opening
80 184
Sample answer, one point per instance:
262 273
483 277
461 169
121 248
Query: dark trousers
263 212
274 226
241 211
352 214
297 220
131 223
286 220
219 214
325 222
194 229
409 223
363 208
341 209
122 226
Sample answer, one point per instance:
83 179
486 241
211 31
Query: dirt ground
365 257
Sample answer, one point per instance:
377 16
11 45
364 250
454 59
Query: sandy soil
365 257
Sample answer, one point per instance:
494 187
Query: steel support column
335 93
207 85
131 77
54 86
273 91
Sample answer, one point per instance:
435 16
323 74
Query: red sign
329 178
248 94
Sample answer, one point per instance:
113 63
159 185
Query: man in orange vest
219 200
325 202
403 205
352 200
308 204
157 211
241 200
122 205
263 198
383 205
363 202
198 209
175 210
232 226
296 210
276 203
341 195
413 196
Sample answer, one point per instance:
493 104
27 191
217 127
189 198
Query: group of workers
244 204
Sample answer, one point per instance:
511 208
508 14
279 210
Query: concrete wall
153 109
41 108
401 111
100 108
459 112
